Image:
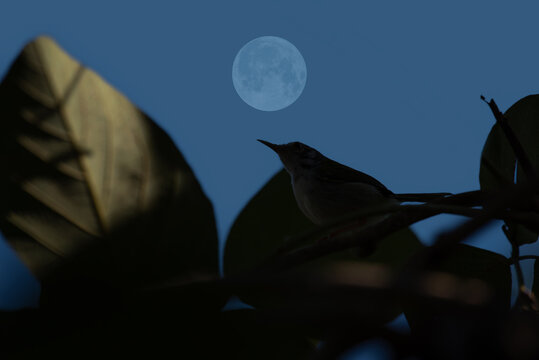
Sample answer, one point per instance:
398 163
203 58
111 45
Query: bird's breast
304 194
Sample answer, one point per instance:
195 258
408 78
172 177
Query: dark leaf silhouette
268 221
486 274
498 160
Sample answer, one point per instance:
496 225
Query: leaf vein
60 106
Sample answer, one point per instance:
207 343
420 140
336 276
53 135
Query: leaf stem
527 257
515 256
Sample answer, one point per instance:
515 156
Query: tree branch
423 211
465 199
514 195
364 237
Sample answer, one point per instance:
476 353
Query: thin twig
364 237
515 255
525 298
530 220
527 257
465 199
511 197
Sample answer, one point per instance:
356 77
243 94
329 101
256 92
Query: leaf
267 222
91 184
467 263
396 248
498 160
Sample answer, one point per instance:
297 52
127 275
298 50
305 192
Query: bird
327 191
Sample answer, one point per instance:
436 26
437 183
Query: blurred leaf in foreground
91 182
459 317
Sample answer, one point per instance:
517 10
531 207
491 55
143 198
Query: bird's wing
338 173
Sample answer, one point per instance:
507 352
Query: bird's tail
422 197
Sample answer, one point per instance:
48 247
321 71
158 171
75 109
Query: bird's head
296 157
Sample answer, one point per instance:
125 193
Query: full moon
269 73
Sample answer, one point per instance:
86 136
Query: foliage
102 207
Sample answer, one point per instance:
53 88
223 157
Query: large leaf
498 160
91 182
485 273
268 221
470 262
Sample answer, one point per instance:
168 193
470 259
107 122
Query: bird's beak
273 147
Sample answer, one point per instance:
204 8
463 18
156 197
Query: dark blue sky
392 88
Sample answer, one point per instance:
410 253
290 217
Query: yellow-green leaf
91 181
